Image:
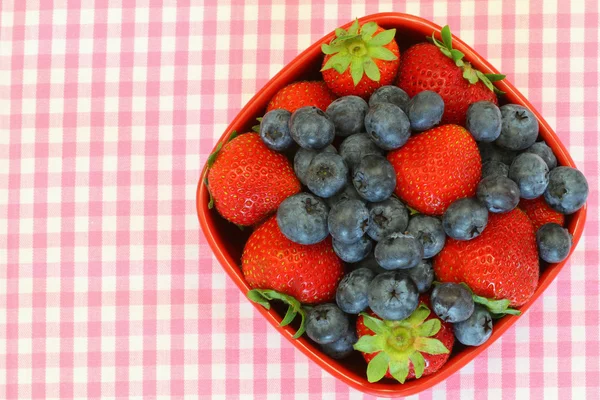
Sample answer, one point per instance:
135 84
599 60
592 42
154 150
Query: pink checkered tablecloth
108 112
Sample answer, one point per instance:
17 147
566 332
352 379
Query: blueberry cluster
349 195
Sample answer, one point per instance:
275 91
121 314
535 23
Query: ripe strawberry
302 94
248 181
501 263
360 60
436 167
414 347
309 273
540 213
440 68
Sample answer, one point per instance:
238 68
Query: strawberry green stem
264 296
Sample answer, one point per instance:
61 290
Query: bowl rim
251 110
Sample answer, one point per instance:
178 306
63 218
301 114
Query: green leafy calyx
264 296
497 308
357 48
399 343
469 73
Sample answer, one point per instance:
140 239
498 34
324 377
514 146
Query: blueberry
353 252
390 94
498 193
351 294
374 178
465 219
425 110
393 295
387 126
355 147
398 251
275 130
302 218
348 115
554 242
567 190
304 157
491 152
452 302
530 173
326 323
484 121
519 127
429 231
348 221
476 329
387 217
545 152
327 175
311 128
348 192
494 168
368 262
342 347
422 275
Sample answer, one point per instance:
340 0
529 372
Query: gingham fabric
107 286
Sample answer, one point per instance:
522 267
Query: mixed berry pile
395 206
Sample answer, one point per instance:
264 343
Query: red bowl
227 241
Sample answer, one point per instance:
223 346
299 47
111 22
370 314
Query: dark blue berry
530 173
369 262
494 168
311 128
351 294
326 323
348 221
429 231
348 115
348 192
342 347
545 152
465 219
422 275
491 152
353 252
374 178
304 157
387 126
476 329
355 147
498 193
519 127
398 251
567 190
302 218
327 174
390 94
425 110
554 242
452 302
387 217
484 121
393 296
275 130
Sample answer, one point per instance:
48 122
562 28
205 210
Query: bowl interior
227 241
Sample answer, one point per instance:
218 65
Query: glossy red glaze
227 241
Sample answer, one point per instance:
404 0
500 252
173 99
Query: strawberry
412 348
360 60
302 94
438 67
248 181
540 213
436 167
279 269
501 263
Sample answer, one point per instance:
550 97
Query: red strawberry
501 263
436 167
360 60
540 213
248 181
414 347
440 68
309 273
302 94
